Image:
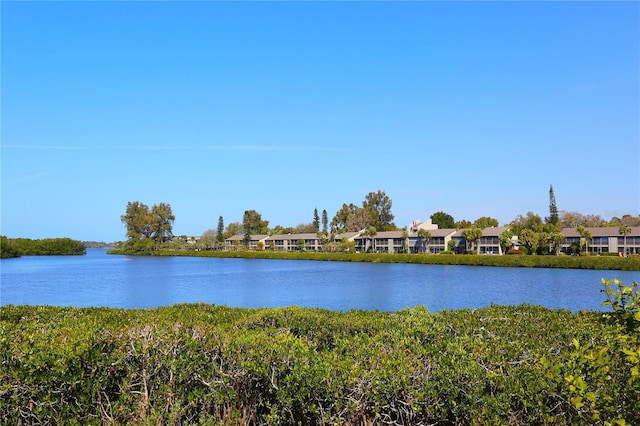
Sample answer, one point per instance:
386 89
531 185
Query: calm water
98 279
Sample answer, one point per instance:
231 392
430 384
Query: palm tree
425 236
624 230
584 233
370 232
405 238
472 235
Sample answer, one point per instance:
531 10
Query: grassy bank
631 263
196 364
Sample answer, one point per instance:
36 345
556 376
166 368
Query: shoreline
631 263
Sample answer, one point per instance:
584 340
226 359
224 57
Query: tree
463 224
371 233
443 220
162 222
405 238
553 209
378 206
358 220
505 239
8 248
339 221
531 221
552 238
137 221
624 230
253 224
424 236
316 220
472 235
220 233
485 222
529 239
451 245
209 239
586 235
575 219
234 228
325 222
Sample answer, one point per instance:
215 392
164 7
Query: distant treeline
16 247
630 263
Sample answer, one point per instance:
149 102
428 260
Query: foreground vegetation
630 263
16 247
193 364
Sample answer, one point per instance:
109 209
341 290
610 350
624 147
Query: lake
98 279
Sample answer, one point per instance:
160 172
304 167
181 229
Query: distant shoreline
631 263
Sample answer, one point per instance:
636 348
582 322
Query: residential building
236 241
603 240
489 243
438 242
286 242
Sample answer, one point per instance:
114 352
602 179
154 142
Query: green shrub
631 263
204 364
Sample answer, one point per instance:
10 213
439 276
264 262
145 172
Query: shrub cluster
16 247
631 263
191 364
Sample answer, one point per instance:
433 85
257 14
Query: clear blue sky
282 107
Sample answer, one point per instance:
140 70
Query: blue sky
472 108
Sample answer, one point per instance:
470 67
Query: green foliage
147 229
378 207
601 376
554 217
16 247
624 300
8 248
252 223
203 364
485 222
344 252
443 220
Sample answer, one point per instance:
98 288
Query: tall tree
378 206
162 222
358 220
220 231
253 224
339 221
463 224
234 228
586 235
553 218
208 239
424 236
531 221
624 230
325 221
316 220
137 221
485 222
505 240
443 220
370 232
472 235
529 239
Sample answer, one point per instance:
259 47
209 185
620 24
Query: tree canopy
252 223
147 228
443 220
378 207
